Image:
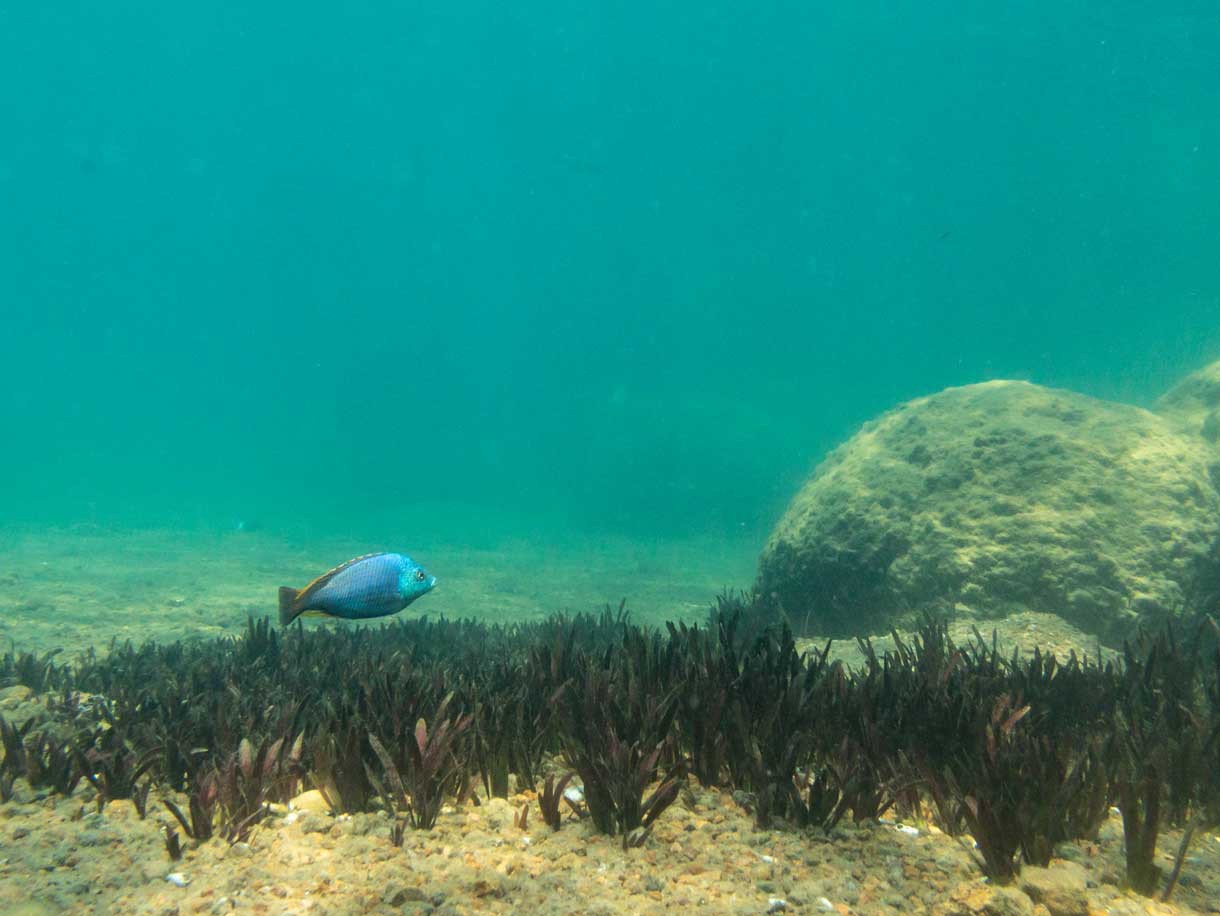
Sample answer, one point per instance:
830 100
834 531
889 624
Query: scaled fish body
370 586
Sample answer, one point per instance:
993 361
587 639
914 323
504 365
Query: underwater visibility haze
397 269
776 321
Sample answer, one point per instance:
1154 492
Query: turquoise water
421 272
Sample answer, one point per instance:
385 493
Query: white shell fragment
177 879
909 831
776 904
826 905
574 794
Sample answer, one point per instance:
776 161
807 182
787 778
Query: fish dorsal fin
312 588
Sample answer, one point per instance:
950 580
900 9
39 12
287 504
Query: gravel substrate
705 855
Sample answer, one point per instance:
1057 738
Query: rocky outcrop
1002 496
1193 405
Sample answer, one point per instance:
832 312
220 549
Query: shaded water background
475 273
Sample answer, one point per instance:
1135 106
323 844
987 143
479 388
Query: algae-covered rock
1000 496
1193 405
310 802
1061 888
980 900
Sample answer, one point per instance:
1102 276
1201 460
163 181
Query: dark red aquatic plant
202 807
434 769
550 797
173 845
615 731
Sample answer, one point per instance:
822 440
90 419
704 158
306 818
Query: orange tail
288 605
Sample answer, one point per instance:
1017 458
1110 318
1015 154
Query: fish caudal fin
288 605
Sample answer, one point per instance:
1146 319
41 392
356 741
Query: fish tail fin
288 605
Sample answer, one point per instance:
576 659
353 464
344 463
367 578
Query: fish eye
420 575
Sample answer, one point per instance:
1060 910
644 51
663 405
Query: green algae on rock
1193 405
999 497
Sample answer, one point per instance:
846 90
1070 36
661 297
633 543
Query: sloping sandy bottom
72 589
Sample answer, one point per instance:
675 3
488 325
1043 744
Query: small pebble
909 831
825 905
177 879
574 794
776 904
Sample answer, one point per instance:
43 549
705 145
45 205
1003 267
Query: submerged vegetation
1019 753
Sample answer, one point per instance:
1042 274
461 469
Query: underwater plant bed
409 728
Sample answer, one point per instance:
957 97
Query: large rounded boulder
999 497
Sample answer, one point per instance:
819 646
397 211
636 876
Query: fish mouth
431 582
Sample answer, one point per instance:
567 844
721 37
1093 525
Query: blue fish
374 585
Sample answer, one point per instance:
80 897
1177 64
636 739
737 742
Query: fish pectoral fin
315 613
